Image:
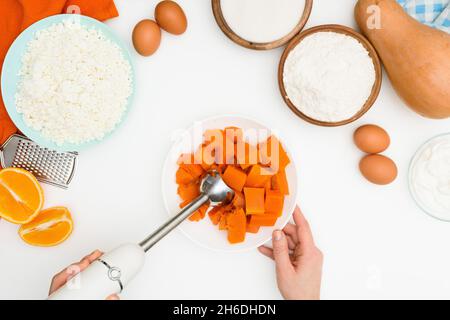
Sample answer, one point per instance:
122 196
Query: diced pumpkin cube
204 156
223 225
184 204
189 192
238 200
246 154
220 168
268 185
215 214
254 200
274 203
237 226
280 182
200 213
234 178
225 152
258 176
263 220
271 153
184 177
252 228
195 170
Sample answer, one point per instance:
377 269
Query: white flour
262 21
329 76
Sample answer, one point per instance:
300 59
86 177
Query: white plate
204 232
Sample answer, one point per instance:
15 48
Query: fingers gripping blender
114 270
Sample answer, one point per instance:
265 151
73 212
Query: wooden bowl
218 15
343 30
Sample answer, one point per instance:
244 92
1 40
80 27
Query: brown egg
146 37
371 139
378 169
170 17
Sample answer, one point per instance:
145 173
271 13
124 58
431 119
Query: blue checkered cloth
435 13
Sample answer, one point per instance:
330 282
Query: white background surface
377 243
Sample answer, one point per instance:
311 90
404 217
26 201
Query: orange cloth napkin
17 15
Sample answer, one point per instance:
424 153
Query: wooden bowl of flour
342 30
233 36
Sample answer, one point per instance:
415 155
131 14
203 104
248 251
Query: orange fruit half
21 196
51 227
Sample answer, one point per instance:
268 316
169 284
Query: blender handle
187 211
115 269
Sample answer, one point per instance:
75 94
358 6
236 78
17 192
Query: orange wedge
51 227
21 196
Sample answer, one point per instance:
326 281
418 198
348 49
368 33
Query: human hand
298 261
61 278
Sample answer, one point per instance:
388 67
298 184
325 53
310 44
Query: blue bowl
13 63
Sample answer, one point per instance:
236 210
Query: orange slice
51 227
21 196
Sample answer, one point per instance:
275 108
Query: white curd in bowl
429 177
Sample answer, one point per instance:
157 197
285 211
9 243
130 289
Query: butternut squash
415 56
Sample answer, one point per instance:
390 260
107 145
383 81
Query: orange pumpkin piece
195 170
272 153
204 156
274 203
246 154
215 214
218 167
258 177
238 200
200 213
183 177
189 192
234 178
268 186
224 152
237 226
51 227
252 228
21 196
184 204
263 220
254 200
223 225
280 183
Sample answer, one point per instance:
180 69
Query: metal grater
48 166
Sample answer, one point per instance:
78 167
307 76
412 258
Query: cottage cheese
75 84
329 76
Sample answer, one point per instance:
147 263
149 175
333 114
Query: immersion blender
114 270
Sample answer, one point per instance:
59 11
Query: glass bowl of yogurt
429 177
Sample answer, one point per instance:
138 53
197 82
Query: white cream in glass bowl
429 177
